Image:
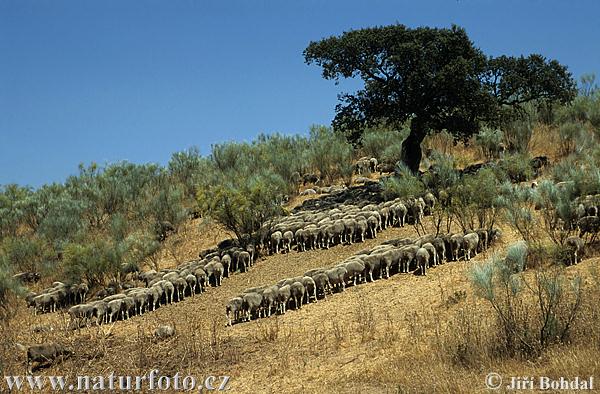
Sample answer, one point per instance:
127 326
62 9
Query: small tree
243 205
533 311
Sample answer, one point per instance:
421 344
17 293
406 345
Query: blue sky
104 81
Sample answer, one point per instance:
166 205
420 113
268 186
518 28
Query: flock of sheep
394 256
315 227
162 287
346 223
57 296
304 230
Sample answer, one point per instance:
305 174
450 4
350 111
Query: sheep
308 192
576 246
215 270
354 270
44 354
408 254
373 223
430 201
470 243
244 260
322 283
432 252
192 282
373 164
128 307
180 286
362 228
147 276
44 303
163 332
456 241
310 287
440 249
226 261
483 239
399 212
297 292
286 240
275 241
80 314
588 224
234 307
283 296
336 277
269 300
201 278
169 291
114 308
422 257
251 304
299 236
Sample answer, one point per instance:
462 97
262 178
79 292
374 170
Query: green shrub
490 143
403 184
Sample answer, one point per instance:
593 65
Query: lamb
576 246
163 332
44 354
422 257
234 307
470 243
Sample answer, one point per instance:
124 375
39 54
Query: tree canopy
433 77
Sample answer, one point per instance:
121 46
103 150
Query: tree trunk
411 146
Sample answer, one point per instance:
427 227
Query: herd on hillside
319 225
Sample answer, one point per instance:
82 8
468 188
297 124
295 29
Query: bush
383 144
518 133
570 133
490 143
516 167
330 154
532 311
403 185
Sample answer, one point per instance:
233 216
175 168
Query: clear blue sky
104 81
